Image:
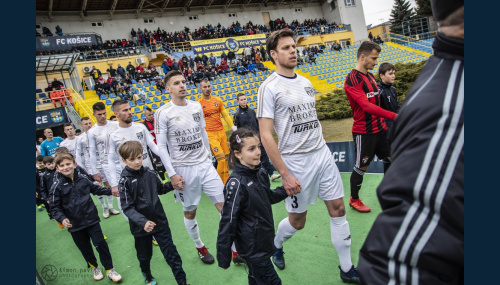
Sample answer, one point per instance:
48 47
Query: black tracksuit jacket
139 190
47 180
418 238
70 198
247 217
388 100
245 117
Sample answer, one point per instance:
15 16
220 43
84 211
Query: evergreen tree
424 8
401 12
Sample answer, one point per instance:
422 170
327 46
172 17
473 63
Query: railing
407 41
328 29
168 47
111 53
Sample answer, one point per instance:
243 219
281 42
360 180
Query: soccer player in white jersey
97 138
180 125
70 141
82 146
125 131
286 102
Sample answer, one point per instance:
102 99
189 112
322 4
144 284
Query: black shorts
366 146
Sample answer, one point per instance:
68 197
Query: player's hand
115 192
66 223
234 128
177 182
149 226
291 184
97 177
36 194
48 202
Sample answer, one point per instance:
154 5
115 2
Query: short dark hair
272 40
119 102
149 109
171 74
63 156
68 125
112 117
384 67
78 131
48 159
367 47
99 106
39 158
60 150
130 149
240 95
84 119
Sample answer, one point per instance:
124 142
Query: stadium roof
99 7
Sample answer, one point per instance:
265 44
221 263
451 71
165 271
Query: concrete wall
331 15
121 25
328 38
354 15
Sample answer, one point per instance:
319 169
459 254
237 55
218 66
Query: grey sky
379 11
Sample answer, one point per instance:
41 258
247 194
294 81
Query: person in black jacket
40 171
73 207
245 117
247 217
388 97
139 188
418 238
46 179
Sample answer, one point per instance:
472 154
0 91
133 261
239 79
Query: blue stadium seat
138 85
149 94
133 81
143 116
131 104
156 99
108 102
164 98
253 91
112 95
162 103
247 93
157 93
139 102
42 95
231 112
230 103
226 91
148 101
146 84
154 106
164 91
103 97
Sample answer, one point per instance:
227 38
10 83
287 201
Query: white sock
285 231
233 247
101 200
341 239
194 231
110 201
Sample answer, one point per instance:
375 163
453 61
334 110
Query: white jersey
70 145
97 136
115 139
82 152
291 103
182 125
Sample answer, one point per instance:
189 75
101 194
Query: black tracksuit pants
262 273
82 240
144 248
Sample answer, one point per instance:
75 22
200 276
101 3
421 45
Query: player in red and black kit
155 160
369 130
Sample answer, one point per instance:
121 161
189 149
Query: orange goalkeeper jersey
212 109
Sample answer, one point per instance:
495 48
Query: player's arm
150 140
235 196
92 154
43 150
110 167
80 160
204 135
56 207
275 196
357 93
226 117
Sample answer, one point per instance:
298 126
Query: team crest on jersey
216 149
139 135
310 91
365 159
216 104
197 117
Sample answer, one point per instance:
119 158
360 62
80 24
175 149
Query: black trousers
262 273
144 249
40 201
266 163
82 240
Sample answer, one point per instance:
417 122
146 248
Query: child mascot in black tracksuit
139 189
247 217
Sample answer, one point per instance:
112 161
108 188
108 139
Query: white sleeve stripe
234 199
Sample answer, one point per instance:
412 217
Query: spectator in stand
312 59
370 36
212 59
175 65
57 84
348 43
181 65
231 55
185 61
56 96
165 66
223 55
199 66
121 71
204 58
242 70
139 68
133 33
197 58
95 73
191 62
151 66
131 69
101 80
198 76
111 70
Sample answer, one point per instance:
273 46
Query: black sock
356 181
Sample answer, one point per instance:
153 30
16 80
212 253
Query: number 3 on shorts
181 196
295 205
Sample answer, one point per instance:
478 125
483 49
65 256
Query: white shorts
103 175
319 177
198 178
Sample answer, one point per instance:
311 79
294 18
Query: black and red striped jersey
363 94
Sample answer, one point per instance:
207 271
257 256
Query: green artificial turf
310 256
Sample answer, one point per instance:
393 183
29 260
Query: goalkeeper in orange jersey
213 108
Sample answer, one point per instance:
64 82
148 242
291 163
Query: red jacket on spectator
110 80
169 62
199 66
223 65
140 68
